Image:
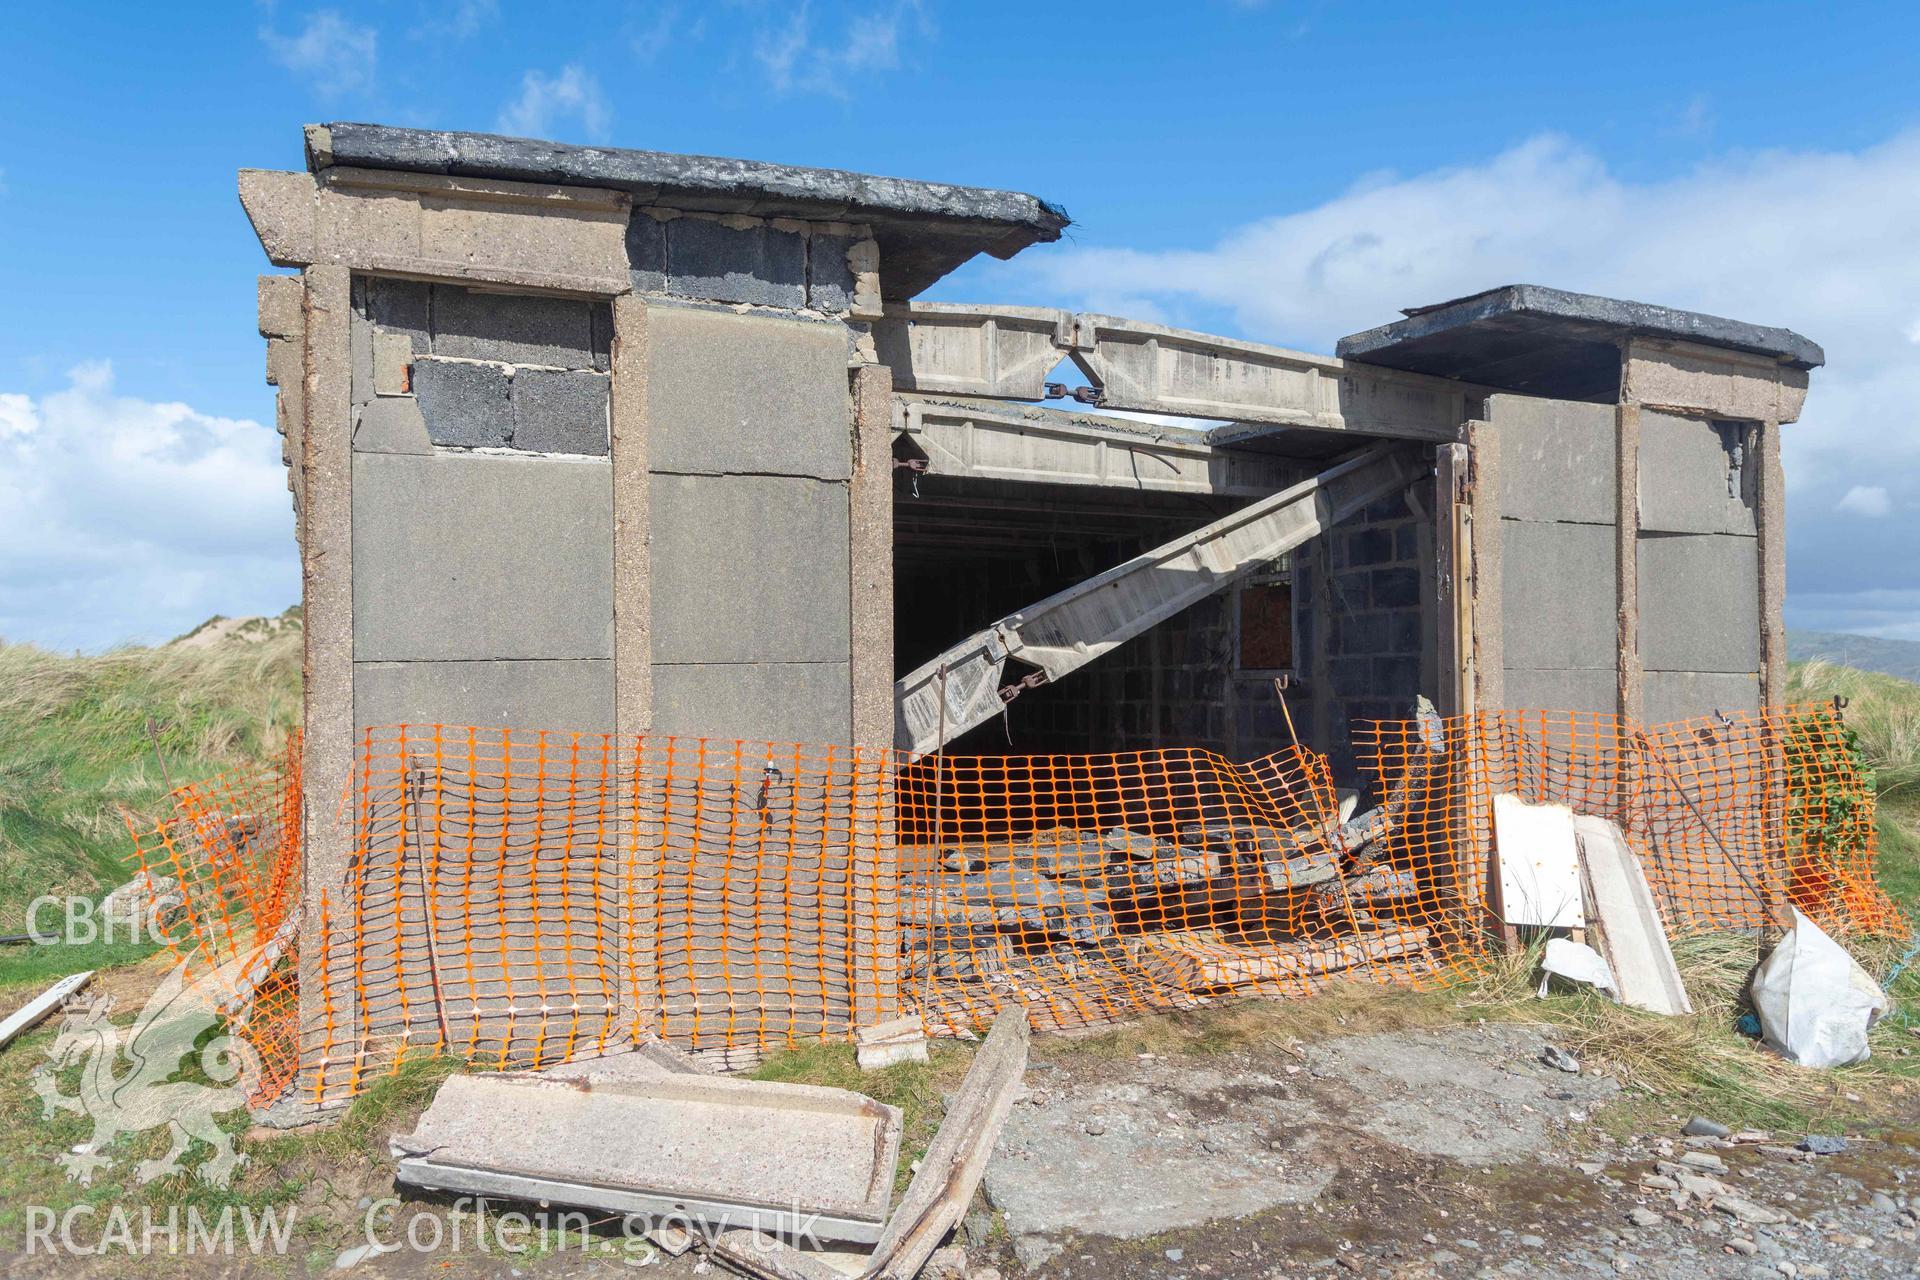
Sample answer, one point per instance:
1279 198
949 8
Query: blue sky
1286 172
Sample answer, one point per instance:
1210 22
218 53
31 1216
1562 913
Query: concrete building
590 439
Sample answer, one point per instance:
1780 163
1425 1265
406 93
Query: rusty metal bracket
1032 680
1085 395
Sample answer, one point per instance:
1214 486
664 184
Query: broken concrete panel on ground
784 1158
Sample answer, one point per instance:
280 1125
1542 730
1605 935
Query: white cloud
128 519
338 56
469 16
1821 242
796 58
546 102
1865 500
17 415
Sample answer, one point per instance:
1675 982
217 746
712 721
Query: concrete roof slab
1548 342
925 229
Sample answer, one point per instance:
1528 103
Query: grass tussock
75 749
1884 711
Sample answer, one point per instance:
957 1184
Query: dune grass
75 750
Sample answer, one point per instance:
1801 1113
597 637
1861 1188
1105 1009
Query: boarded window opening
1265 623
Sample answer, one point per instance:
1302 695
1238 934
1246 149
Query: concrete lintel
521 235
1010 352
1004 352
1154 368
1692 378
1026 443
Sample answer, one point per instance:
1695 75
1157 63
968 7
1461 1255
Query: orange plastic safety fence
519 899
223 869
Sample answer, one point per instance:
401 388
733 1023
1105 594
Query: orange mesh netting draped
521 898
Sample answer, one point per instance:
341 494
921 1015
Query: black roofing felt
925 229
1525 337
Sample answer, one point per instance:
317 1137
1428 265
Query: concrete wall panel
1589 690
749 569
1687 695
1690 482
1557 594
1699 603
1556 459
733 393
806 702
464 556
572 694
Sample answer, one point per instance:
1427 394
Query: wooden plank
1539 862
951 1170
30 1014
1633 938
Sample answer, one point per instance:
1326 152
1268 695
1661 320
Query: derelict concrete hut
585 439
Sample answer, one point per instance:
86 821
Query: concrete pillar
1487 618
632 534
871 557
1627 556
1771 516
1453 578
326 594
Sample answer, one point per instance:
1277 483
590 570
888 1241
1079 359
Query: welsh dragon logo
162 1042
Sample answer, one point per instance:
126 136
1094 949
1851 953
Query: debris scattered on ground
887 1043
30 1014
1576 962
1633 937
1559 1059
146 901
943 1183
1815 1003
1538 881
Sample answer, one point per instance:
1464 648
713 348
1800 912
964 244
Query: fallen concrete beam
30 1014
1028 444
631 1138
1633 938
959 689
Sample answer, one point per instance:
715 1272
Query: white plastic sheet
1815 1003
1576 962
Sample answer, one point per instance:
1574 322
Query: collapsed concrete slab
636 1138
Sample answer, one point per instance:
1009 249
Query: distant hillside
1864 653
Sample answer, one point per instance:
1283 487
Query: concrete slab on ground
727 1153
1159 1144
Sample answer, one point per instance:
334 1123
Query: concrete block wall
1364 596
482 499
